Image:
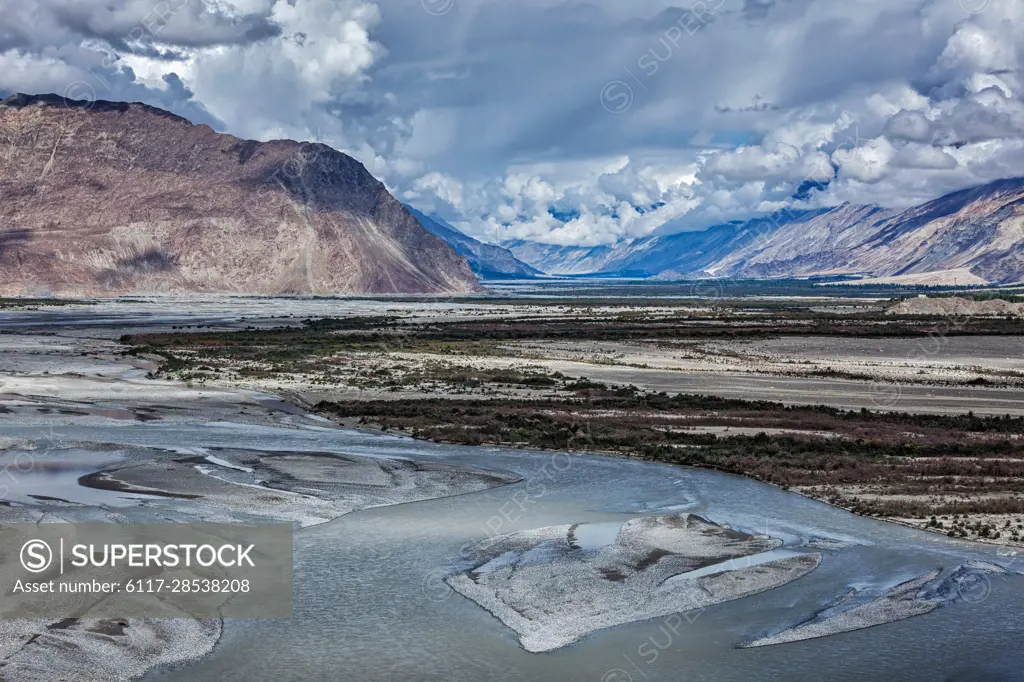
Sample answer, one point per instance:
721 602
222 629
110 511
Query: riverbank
71 393
962 476
87 436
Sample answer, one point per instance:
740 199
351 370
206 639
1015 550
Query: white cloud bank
572 122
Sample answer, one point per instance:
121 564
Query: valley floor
625 378
903 419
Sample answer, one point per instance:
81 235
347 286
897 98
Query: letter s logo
36 556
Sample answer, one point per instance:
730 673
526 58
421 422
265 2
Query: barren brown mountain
112 198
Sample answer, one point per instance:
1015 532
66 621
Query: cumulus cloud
868 162
258 68
924 157
987 115
436 186
912 126
564 121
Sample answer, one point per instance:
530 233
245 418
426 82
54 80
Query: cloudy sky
571 121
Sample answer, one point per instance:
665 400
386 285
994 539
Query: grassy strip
326 337
32 303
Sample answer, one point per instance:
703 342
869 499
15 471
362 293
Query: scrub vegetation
483 380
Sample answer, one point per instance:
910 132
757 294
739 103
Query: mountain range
554 259
102 198
974 236
486 261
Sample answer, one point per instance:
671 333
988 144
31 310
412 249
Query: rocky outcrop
110 198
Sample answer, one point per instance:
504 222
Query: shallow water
596 535
370 602
30 478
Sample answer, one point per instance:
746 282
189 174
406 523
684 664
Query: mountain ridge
107 198
486 260
978 231
555 259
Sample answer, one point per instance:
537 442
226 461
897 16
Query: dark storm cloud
185 23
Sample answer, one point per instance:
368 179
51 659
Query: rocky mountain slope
976 235
113 198
486 260
561 260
